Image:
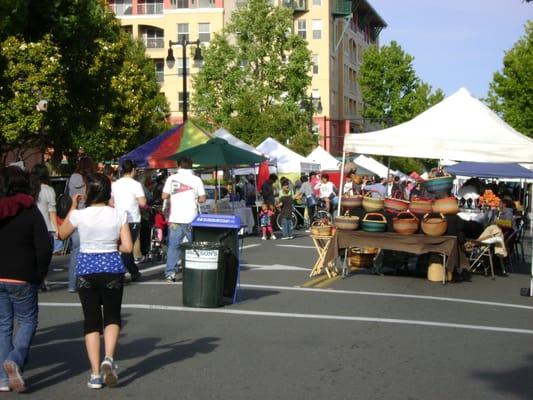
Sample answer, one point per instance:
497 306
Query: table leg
345 264
491 263
444 269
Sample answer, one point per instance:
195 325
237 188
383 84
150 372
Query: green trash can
203 274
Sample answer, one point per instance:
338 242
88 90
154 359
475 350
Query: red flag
263 174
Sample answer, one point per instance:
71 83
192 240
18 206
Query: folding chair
518 245
478 253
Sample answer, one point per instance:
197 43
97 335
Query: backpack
63 203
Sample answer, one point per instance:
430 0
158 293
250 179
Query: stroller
158 233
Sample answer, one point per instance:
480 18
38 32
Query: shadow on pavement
513 381
254 294
59 353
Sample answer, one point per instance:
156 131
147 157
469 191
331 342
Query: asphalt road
364 337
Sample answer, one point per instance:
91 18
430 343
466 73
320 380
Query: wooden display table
322 245
447 246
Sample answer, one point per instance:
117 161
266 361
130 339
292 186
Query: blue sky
455 43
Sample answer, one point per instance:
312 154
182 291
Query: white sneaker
5 389
272 237
264 238
109 371
285 238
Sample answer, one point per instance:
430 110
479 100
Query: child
285 205
265 216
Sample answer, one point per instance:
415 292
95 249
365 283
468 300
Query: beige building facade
337 32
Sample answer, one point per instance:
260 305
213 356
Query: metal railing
296 5
154 43
149 8
121 9
342 7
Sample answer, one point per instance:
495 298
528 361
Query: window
317 28
159 65
179 62
183 32
121 7
206 3
204 32
179 3
153 38
315 64
180 101
317 2
302 28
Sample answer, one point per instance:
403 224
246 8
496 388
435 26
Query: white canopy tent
287 160
375 167
227 136
459 128
327 161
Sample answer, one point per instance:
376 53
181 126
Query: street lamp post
171 60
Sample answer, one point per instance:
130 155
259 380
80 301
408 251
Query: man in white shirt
185 190
127 195
326 191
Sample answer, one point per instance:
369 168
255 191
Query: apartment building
337 31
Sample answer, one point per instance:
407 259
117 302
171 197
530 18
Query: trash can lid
203 246
217 221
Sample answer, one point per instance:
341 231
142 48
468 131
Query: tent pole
531 237
341 188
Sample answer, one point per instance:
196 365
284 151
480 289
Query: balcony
296 5
342 7
154 43
121 9
149 8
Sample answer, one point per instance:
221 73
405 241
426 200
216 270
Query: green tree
393 93
255 77
511 91
31 72
111 101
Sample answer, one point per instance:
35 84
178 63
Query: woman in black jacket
26 254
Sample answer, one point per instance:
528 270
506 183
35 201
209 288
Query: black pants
101 300
127 258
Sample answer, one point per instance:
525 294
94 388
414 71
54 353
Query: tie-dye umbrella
154 153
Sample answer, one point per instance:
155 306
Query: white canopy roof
374 167
224 134
459 128
327 161
287 160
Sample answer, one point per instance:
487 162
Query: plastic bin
203 274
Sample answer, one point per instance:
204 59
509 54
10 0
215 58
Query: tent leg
341 188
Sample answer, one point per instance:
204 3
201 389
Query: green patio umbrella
217 153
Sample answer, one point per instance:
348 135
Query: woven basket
439 184
371 204
421 206
405 223
395 206
361 258
347 222
434 224
350 202
318 229
374 222
446 206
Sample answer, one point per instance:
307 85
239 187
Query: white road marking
250 246
352 292
275 267
309 316
296 246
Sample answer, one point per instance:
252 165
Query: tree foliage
393 93
511 91
255 76
102 90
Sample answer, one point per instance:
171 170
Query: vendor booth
289 163
459 128
154 153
